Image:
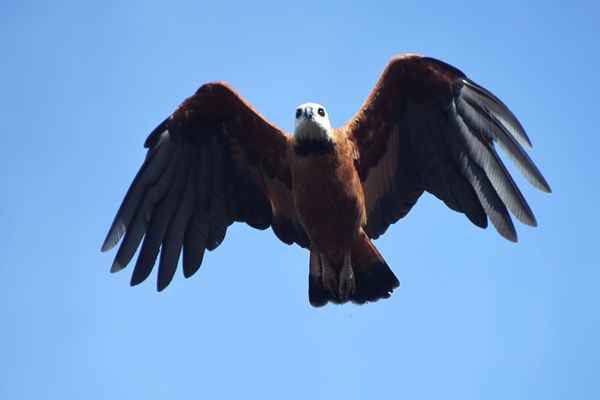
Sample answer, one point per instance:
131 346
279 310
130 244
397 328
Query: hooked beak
309 113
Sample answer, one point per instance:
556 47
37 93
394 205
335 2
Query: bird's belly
329 203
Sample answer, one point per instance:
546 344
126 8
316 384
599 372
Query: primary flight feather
216 160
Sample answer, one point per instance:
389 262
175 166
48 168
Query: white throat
312 122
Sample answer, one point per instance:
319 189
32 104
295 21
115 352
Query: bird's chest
328 198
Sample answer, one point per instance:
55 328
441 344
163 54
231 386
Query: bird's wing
426 126
214 161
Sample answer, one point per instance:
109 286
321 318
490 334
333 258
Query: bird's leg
330 279
346 279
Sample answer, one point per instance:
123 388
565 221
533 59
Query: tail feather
374 279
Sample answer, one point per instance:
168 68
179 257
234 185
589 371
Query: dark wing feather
427 127
213 162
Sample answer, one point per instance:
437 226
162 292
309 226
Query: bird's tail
373 278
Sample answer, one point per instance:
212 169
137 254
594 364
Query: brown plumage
215 161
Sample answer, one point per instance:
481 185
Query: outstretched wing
214 161
426 126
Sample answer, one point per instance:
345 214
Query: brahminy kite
216 160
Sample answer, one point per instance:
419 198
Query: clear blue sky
476 317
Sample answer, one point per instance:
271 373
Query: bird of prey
216 160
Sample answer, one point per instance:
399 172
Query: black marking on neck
305 147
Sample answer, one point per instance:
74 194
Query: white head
312 122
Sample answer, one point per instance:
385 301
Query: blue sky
82 85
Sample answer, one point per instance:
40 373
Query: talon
330 279
347 284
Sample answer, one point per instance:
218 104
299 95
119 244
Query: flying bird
216 160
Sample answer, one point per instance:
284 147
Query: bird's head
312 122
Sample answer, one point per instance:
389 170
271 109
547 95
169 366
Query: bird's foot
330 279
347 285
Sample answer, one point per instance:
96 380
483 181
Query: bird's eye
298 113
321 112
